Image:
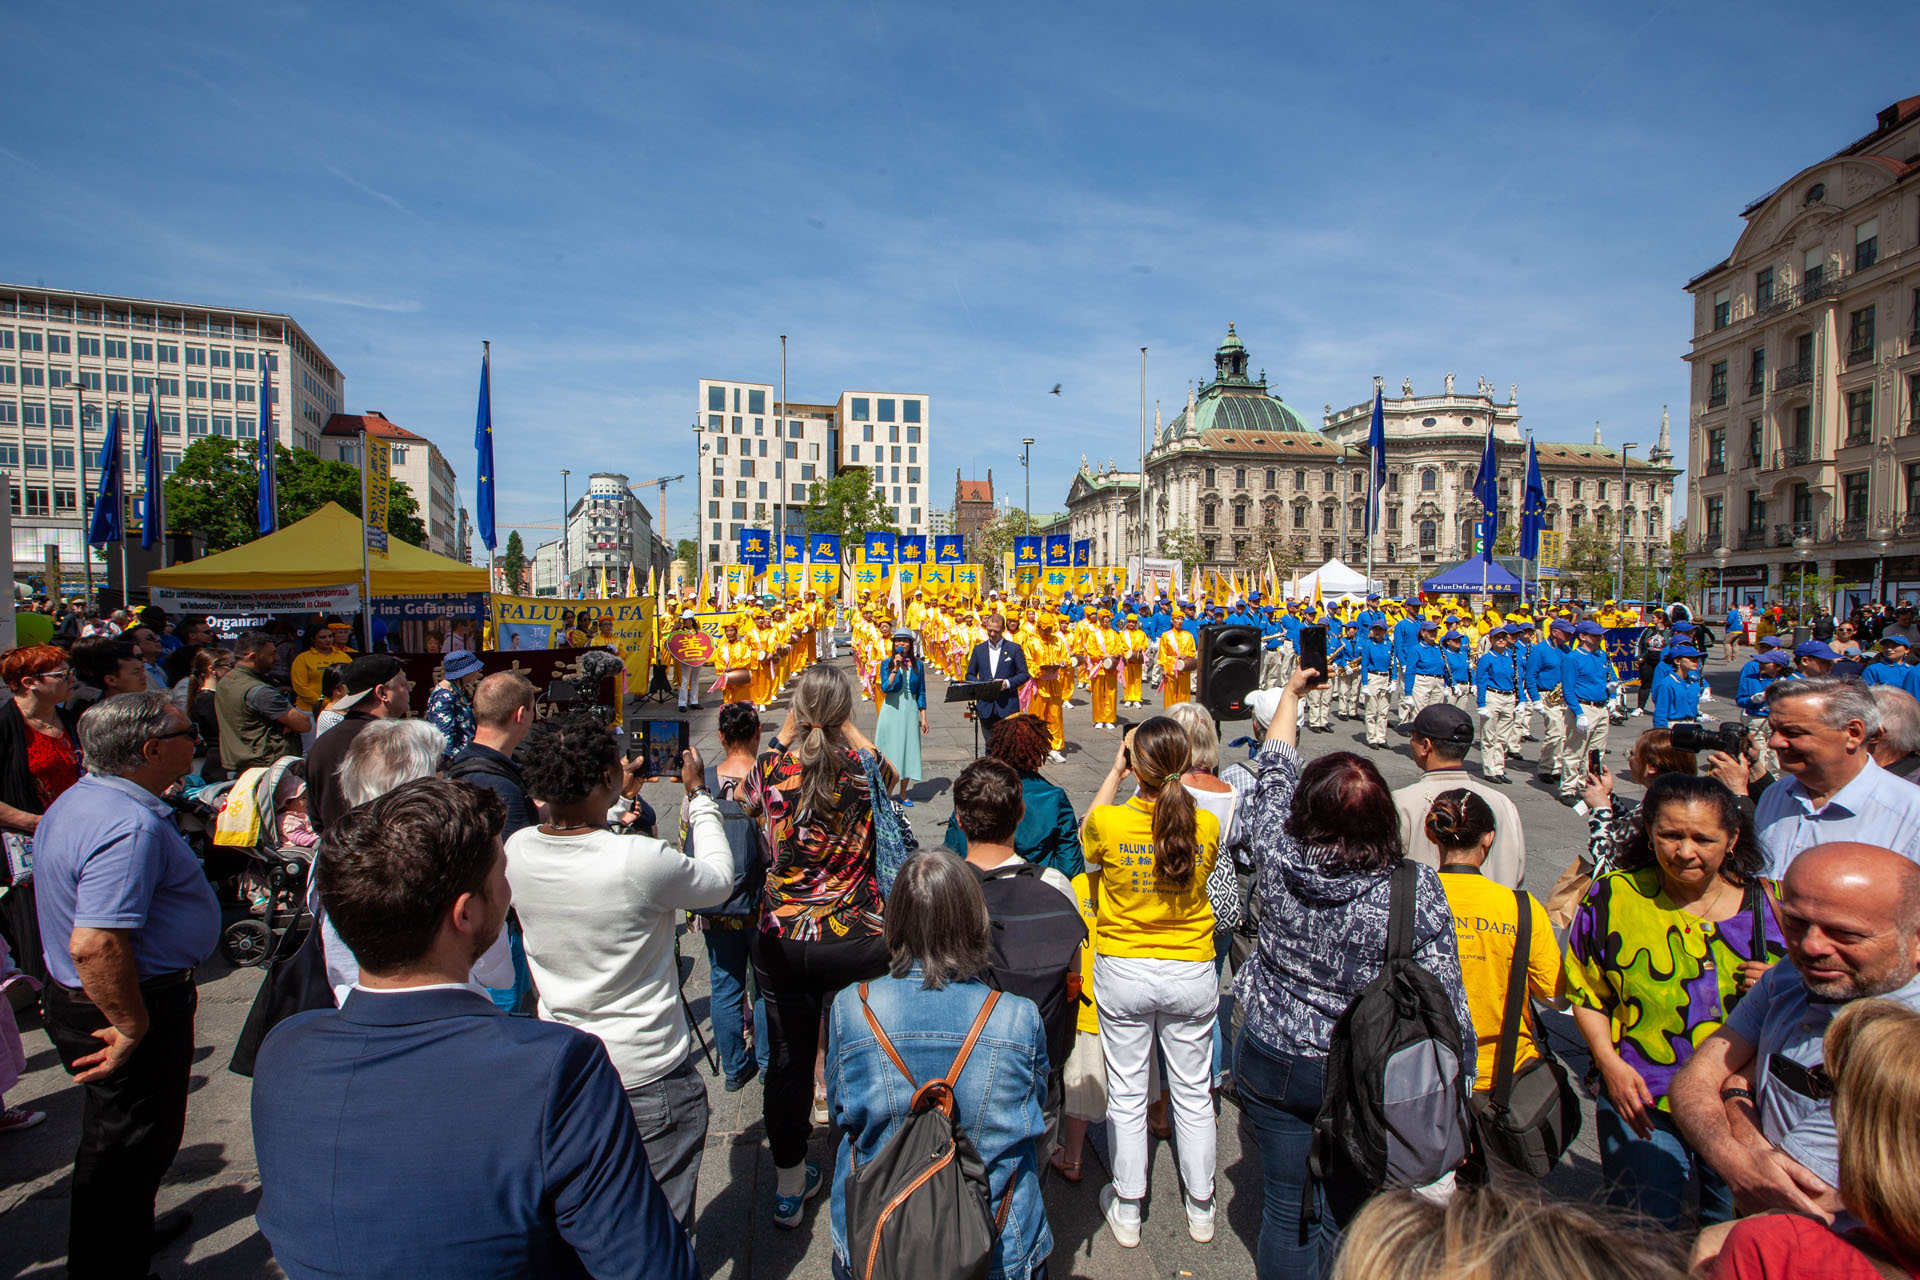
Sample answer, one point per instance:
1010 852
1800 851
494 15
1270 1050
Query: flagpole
366 557
780 476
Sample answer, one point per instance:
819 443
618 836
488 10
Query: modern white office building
66 357
758 459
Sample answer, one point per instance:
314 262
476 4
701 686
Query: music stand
972 691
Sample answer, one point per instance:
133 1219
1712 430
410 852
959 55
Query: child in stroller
264 816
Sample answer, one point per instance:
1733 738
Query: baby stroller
277 872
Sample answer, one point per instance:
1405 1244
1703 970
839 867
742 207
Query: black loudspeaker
1229 669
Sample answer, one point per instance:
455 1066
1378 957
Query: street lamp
1720 557
699 543
1026 457
1663 558
1881 535
566 573
1803 547
1620 556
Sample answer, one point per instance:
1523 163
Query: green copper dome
1235 402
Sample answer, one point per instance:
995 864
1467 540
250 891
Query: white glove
1581 722
1486 713
1705 696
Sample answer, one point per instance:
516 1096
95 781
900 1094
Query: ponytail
1160 750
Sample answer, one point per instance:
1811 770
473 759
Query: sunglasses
60 673
187 732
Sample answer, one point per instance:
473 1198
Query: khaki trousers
1499 733
1553 731
1378 692
1573 761
1427 690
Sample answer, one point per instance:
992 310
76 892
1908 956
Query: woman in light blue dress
903 710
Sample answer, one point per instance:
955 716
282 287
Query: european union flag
1533 508
1376 462
949 548
912 549
1026 552
267 494
1059 551
483 445
107 508
153 519
1083 553
1486 487
879 548
793 547
755 546
825 548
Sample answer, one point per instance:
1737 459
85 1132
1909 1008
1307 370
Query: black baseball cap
1443 722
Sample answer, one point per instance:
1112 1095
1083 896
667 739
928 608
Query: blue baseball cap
1682 627
1372 598
1561 625
1682 651
1819 649
1429 625
1589 628
1378 624
1778 657
1451 635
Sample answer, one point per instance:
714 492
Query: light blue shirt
1876 808
1780 1019
107 855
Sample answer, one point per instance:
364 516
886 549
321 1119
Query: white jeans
1173 1002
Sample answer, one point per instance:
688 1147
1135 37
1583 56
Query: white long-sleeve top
597 915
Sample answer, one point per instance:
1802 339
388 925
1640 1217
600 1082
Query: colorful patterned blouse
821 884
449 711
1665 978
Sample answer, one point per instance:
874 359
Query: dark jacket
485 767
1014 672
325 803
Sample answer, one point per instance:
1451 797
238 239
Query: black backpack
1395 1111
919 1208
743 837
1037 931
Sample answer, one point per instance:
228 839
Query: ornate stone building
1805 408
1240 470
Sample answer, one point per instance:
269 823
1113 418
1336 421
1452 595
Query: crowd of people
494 1070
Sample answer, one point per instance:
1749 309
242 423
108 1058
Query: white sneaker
1638 711
1123 1219
1200 1221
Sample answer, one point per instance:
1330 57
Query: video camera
1730 739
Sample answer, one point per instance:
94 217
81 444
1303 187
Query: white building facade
66 357
418 462
609 531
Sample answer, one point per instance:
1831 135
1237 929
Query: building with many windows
758 460
1806 381
609 531
418 462
66 357
1240 471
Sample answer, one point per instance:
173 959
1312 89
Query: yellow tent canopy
322 550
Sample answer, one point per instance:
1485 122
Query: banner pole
366 558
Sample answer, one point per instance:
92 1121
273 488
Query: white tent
1334 579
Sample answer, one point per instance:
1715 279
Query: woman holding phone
903 710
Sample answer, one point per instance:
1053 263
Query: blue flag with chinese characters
153 519
1059 551
755 546
879 548
793 548
107 507
824 548
1486 487
483 445
949 548
1083 553
1026 553
911 548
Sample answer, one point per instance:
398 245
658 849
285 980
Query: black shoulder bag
1531 1116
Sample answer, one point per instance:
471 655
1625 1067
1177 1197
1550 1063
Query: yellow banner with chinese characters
823 579
966 580
739 580
909 577
378 480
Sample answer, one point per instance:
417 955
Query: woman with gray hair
387 754
919 1018
1897 741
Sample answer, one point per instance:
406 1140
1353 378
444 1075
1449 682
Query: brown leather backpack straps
880 1034
973 1033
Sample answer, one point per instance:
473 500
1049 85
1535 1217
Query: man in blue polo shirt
1586 684
126 914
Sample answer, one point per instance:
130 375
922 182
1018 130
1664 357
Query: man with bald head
1754 1099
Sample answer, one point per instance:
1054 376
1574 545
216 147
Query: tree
848 505
1184 546
687 552
1507 541
213 492
514 564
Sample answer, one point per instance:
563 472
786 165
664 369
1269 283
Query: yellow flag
378 480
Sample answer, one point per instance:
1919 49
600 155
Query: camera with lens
1730 739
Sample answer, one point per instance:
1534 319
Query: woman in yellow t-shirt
1148 861
323 650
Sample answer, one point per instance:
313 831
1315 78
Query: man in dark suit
419 1130
997 658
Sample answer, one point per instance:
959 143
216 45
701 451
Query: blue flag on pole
793 548
1059 551
1376 462
1083 553
153 520
108 506
1533 508
911 548
949 548
824 548
1026 552
267 505
483 445
1486 487
755 547
879 548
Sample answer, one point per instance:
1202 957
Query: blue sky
975 201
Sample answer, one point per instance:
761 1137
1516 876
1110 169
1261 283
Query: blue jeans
1650 1175
729 965
1280 1096
1223 1021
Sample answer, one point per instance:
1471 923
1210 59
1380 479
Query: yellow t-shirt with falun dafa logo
1140 913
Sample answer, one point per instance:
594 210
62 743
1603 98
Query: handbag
1531 1116
295 981
893 838
1569 891
1223 893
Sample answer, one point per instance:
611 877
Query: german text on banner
533 622
379 493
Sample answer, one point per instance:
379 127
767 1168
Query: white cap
1264 703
